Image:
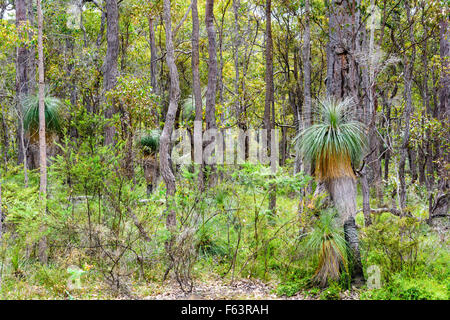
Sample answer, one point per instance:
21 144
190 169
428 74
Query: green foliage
332 292
392 243
406 288
290 288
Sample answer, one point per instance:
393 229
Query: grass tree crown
334 141
53 116
149 141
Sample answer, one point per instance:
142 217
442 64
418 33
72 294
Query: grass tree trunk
42 141
343 193
150 171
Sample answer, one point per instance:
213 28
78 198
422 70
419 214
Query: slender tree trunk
210 109
174 96
307 72
42 143
373 175
307 116
31 51
1 229
154 55
111 71
1 219
21 89
198 124
409 65
426 174
444 89
269 98
365 190
5 138
236 46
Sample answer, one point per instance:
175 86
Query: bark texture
210 105
198 127
174 96
112 53
22 87
343 194
42 140
154 55
409 66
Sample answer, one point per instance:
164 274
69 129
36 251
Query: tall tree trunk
307 71
174 96
368 80
31 50
210 109
269 97
373 175
426 172
112 53
307 120
1 221
42 143
154 55
236 46
444 88
198 124
342 82
409 66
5 147
21 89
1 228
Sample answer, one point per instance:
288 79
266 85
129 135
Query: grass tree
332 145
53 121
328 244
149 143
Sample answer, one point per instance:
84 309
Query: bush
392 244
404 288
289 289
332 292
